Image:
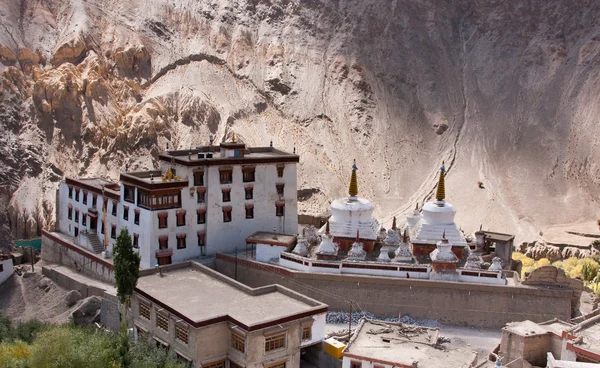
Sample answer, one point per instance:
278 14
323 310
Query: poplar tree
127 271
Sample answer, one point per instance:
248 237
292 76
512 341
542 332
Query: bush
70 346
14 354
24 331
145 354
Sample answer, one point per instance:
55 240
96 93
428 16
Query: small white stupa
327 249
357 252
390 243
301 247
474 261
403 253
443 261
496 264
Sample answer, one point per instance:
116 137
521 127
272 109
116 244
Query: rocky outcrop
539 250
87 312
378 77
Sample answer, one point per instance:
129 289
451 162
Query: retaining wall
58 249
456 303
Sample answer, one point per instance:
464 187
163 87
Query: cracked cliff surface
505 93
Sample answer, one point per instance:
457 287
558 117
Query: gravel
339 317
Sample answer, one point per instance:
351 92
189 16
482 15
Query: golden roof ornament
233 138
353 190
440 193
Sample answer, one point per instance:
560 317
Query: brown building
213 321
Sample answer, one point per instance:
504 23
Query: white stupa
474 261
327 248
403 253
301 247
496 264
357 252
352 213
436 218
443 252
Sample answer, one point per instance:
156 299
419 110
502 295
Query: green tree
145 354
127 272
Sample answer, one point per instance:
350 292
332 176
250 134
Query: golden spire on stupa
353 190
440 193
233 138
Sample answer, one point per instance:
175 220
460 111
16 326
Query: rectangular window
94 200
226 176
84 196
201 216
275 341
163 242
129 193
76 216
144 310
227 195
277 365
71 192
83 219
1 268
113 231
162 220
125 213
248 174
201 195
355 364
181 241
76 195
279 209
136 216
198 178
114 208
249 192
226 214
181 332
201 239
306 333
141 333
162 321
180 218
136 240
249 211
102 227
238 341
279 187
219 364
70 213
280 170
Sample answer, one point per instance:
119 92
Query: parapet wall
457 303
57 250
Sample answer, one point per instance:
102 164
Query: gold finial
233 137
353 190
440 194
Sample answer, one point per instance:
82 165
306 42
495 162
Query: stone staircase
95 242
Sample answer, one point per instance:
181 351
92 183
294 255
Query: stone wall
550 276
57 249
449 302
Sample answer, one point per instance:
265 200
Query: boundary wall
456 303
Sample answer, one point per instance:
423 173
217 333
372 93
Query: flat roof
272 238
152 179
529 328
491 235
399 344
252 155
589 330
202 296
97 185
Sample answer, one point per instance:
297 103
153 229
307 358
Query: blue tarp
35 243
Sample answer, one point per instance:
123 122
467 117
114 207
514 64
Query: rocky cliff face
505 92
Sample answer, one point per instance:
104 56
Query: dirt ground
33 295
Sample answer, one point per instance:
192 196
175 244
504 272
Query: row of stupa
353 229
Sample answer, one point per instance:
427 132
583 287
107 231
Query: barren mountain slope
505 92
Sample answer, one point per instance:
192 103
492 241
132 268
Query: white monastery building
200 202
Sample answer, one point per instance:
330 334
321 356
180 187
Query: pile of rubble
340 317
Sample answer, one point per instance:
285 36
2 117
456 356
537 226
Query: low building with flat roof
379 344
213 321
